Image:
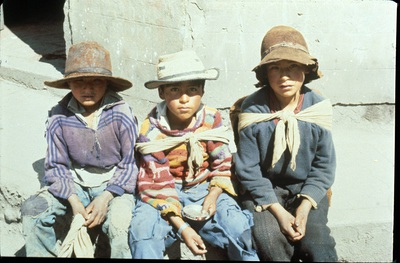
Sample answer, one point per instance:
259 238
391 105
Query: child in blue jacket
285 157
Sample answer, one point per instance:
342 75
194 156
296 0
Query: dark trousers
317 245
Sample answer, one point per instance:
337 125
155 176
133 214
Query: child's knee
234 220
34 206
147 230
120 213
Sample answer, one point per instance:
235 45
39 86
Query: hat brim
209 74
118 84
287 53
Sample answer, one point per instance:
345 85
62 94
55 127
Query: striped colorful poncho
160 171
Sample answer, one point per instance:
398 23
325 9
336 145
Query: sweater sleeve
248 170
220 162
323 167
220 166
57 162
125 176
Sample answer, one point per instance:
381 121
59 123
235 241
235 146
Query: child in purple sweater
285 154
90 165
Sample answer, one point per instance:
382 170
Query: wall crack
364 104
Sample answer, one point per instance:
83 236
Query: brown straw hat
89 59
181 66
285 43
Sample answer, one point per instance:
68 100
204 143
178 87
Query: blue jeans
229 228
44 218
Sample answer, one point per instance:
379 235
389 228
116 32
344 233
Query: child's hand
210 202
77 206
97 209
301 218
288 227
286 221
193 241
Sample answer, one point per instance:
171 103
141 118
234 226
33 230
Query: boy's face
183 100
286 78
88 91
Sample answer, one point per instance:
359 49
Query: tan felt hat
286 43
89 59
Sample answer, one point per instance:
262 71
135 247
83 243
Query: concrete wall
353 40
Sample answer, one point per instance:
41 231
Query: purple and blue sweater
71 143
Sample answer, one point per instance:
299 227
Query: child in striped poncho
185 159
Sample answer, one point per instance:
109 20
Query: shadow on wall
39 24
38 166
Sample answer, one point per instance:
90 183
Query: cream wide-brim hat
89 59
181 66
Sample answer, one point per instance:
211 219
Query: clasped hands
293 227
95 213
